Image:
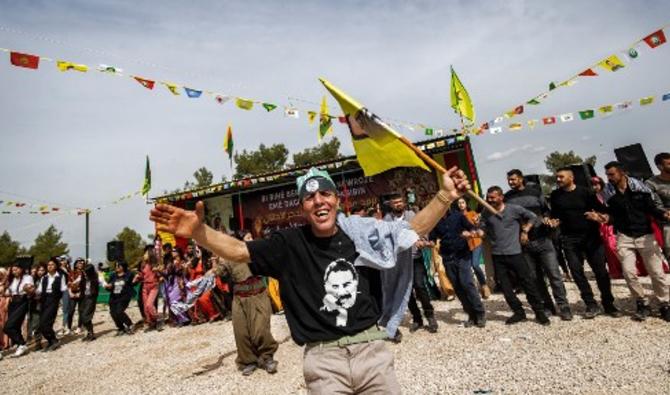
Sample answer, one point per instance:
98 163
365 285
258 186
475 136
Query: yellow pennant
67 66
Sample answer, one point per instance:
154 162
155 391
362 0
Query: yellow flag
244 104
378 147
612 63
325 122
311 116
67 66
460 99
172 88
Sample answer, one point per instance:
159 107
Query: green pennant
429 132
552 86
269 106
533 102
586 114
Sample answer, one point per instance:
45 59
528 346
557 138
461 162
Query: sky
79 140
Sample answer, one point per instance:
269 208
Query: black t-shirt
324 296
570 207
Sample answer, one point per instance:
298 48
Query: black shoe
516 318
565 313
471 321
249 370
398 337
542 318
415 327
480 320
432 325
612 311
270 366
642 312
665 311
591 312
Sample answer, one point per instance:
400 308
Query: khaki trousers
251 327
651 256
666 241
364 368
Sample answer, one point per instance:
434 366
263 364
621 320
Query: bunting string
21 207
612 63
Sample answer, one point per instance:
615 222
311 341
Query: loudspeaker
583 174
25 262
115 251
634 160
532 182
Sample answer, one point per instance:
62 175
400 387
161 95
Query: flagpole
442 170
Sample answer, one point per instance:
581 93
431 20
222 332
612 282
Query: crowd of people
346 281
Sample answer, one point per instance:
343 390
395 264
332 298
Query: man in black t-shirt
574 209
329 308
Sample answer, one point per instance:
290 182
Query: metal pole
88 212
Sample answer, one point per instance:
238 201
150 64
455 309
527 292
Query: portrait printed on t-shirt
341 286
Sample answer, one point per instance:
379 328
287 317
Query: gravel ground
600 356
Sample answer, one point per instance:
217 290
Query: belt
249 286
367 336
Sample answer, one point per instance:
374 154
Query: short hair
494 188
565 168
515 172
659 158
394 195
340 265
614 164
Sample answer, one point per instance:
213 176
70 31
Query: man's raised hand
175 220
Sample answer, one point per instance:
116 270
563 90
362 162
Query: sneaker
398 337
432 325
485 291
516 318
249 370
565 313
415 327
21 350
270 366
480 320
67 332
665 311
642 312
612 311
591 312
542 318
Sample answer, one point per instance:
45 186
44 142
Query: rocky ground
600 356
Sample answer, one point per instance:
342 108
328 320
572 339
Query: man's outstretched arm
454 185
190 224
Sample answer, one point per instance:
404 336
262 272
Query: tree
322 152
9 249
265 160
557 160
203 177
48 244
133 246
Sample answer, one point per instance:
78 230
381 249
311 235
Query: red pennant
24 60
588 73
145 83
655 39
549 120
342 119
518 110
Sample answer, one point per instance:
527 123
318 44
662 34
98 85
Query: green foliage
9 249
133 246
48 244
203 177
555 161
323 152
264 160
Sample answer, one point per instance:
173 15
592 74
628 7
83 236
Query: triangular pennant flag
428 132
624 105
569 82
533 102
325 122
67 66
221 99
378 147
292 112
244 104
269 106
666 97
484 126
460 99
646 100
172 88
103 68
496 130
515 126
518 110
588 73
549 120
532 123
606 109
586 114
311 116
655 39
612 63
24 60
567 117
192 93
498 119
632 53
145 83
552 86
